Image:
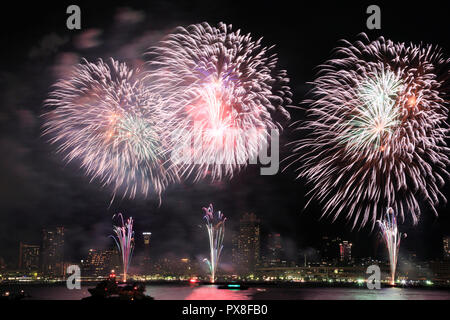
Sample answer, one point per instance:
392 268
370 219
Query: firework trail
124 238
376 131
106 118
225 96
216 233
392 239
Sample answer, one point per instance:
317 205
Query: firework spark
225 95
392 239
106 118
216 233
124 238
376 131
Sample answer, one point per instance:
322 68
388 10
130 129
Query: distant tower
325 249
101 262
113 258
330 250
94 264
2 264
28 257
146 258
274 249
246 253
345 250
446 243
52 252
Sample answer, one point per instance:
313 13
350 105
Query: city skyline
249 252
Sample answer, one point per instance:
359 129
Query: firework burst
392 238
225 96
376 131
216 233
124 238
106 118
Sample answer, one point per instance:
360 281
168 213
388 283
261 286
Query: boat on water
233 286
7 295
110 289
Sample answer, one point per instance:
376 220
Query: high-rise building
112 259
274 250
171 265
325 248
94 264
345 251
99 263
146 236
446 243
330 249
2 264
247 244
28 257
52 251
146 261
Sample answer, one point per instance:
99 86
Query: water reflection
351 294
206 292
211 292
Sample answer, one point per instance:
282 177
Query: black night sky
37 189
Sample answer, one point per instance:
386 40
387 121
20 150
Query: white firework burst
105 118
376 131
224 90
